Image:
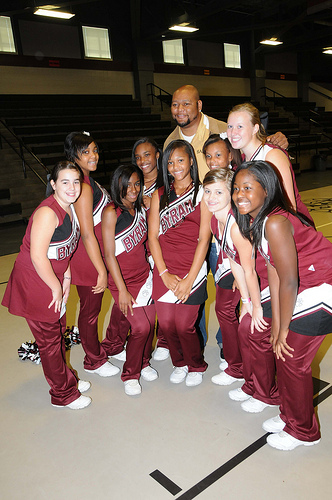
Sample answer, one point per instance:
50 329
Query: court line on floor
202 485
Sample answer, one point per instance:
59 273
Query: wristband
246 301
66 278
163 272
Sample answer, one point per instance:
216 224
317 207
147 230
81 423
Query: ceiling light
53 13
183 27
271 41
327 50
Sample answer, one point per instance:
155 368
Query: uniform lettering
170 218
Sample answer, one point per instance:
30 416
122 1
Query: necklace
183 191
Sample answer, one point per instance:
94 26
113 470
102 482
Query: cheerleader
299 263
39 284
179 238
124 232
89 273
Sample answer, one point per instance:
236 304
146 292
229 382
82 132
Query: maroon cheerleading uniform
248 346
260 154
28 295
178 236
227 299
84 276
130 237
311 321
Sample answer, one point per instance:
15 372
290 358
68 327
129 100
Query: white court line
323 225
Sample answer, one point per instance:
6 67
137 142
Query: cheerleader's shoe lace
160 354
238 395
194 378
148 373
121 356
132 387
274 424
223 365
253 405
105 370
83 385
285 442
78 404
179 374
224 379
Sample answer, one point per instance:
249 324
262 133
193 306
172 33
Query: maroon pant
296 388
51 345
260 366
116 333
226 302
178 325
90 305
139 344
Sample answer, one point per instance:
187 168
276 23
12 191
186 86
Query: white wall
24 80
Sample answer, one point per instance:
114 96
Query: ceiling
303 25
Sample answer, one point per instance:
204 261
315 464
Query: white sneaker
238 395
83 385
78 404
179 374
194 378
148 373
286 442
105 370
160 354
274 424
253 405
121 356
223 365
225 379
132 387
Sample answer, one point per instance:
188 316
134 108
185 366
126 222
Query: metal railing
312 118
159 95
23 148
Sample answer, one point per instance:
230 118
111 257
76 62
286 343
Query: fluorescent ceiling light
183 27
271 41
327 50
54 13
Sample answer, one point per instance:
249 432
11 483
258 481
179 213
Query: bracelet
66 278
164 271
246 301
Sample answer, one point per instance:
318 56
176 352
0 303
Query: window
173 51
96 42
232 55
7 43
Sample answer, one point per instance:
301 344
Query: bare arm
245 251
108 224
279 233
274 284
281 164
44 224
84 210
169 280
184 286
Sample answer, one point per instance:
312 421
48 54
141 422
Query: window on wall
96 43
7 43
173 51
232 55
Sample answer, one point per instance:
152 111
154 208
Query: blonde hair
219 175
254 118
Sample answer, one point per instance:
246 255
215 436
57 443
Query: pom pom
29 350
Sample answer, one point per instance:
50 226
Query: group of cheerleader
147 241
